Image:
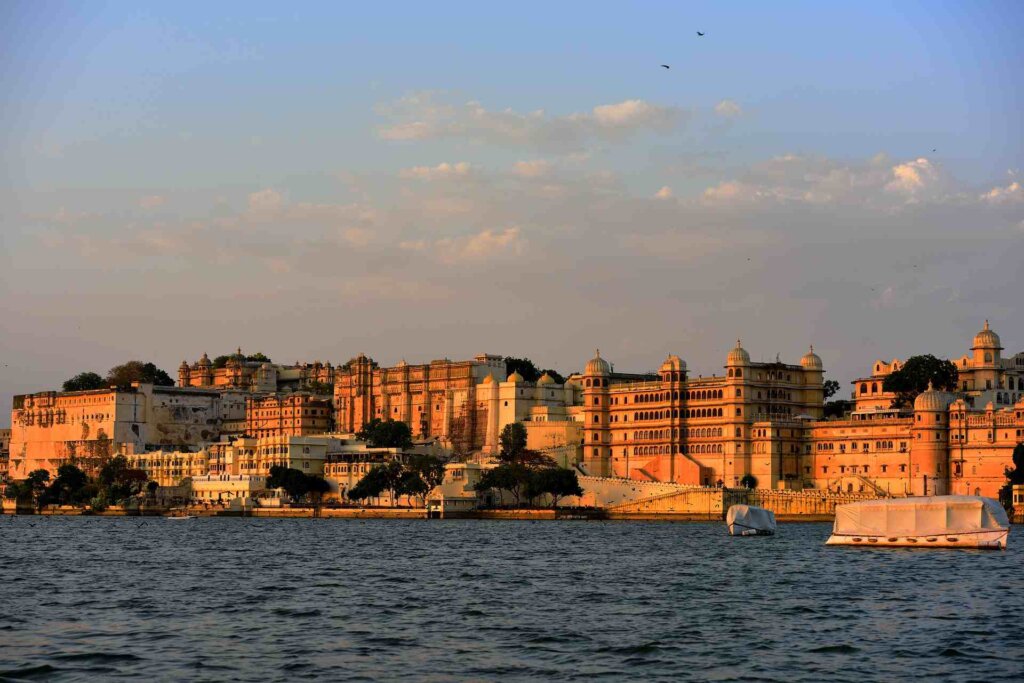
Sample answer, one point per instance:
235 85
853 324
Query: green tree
294 482
1014 477
386 434
513 478
118 481
320 388
748 481
524 366
137 371
513 442
914 376
257 358
85 381
557 482
831 388
36 482
838 408
68 487
380 478
220 362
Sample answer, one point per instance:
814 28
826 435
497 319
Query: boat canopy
747 517
921 516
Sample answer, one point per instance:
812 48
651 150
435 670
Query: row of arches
675 412
694 449
692 433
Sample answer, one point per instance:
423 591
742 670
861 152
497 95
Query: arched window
588 383
739 372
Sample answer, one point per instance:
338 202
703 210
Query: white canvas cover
923 516
746 518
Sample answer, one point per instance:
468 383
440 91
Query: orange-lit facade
287 415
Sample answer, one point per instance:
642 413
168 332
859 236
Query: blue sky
253 166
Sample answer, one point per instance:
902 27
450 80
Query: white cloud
664 193
422 117
635 114
482 246
912 177
152 201
728 109
441 171
537 168
1005 195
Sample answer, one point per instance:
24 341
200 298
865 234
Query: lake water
268 600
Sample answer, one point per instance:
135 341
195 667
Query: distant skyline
426 180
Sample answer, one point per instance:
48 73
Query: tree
748 481
529 371
137 371
295 482
257 358
36 482
118 481
506 477
68 487
386 434
430 469
914 376
1014 477
85 381
831 388
557 482
513 442
380 478
838 408
524 366
316 487
220 362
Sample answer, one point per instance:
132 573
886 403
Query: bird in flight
699 33
666 66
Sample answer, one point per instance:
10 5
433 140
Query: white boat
180 517
922 522
747 520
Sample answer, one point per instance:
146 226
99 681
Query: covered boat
747 520
928 522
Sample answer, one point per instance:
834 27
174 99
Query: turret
929 450
596 435
987 362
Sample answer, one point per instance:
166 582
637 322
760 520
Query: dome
597 365
515 377
183 366
986 339
673 363
205 360
489 379
811 360
545 379
932 400
738 356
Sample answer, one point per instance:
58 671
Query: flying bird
666 66
699 33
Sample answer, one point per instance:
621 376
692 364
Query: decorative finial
738 343
930 387
812 348
597 353
986 323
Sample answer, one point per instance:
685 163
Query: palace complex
763 422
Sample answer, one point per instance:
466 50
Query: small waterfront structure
748 520
922 522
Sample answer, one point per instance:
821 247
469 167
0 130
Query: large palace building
765 420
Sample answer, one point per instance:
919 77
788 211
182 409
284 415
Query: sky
427 180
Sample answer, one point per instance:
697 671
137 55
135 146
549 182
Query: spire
738 345
930 387
986 323
597 353
812 348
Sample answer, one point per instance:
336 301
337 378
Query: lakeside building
764 420
297 414
255 376
980 372
463 404
51 428
5 454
